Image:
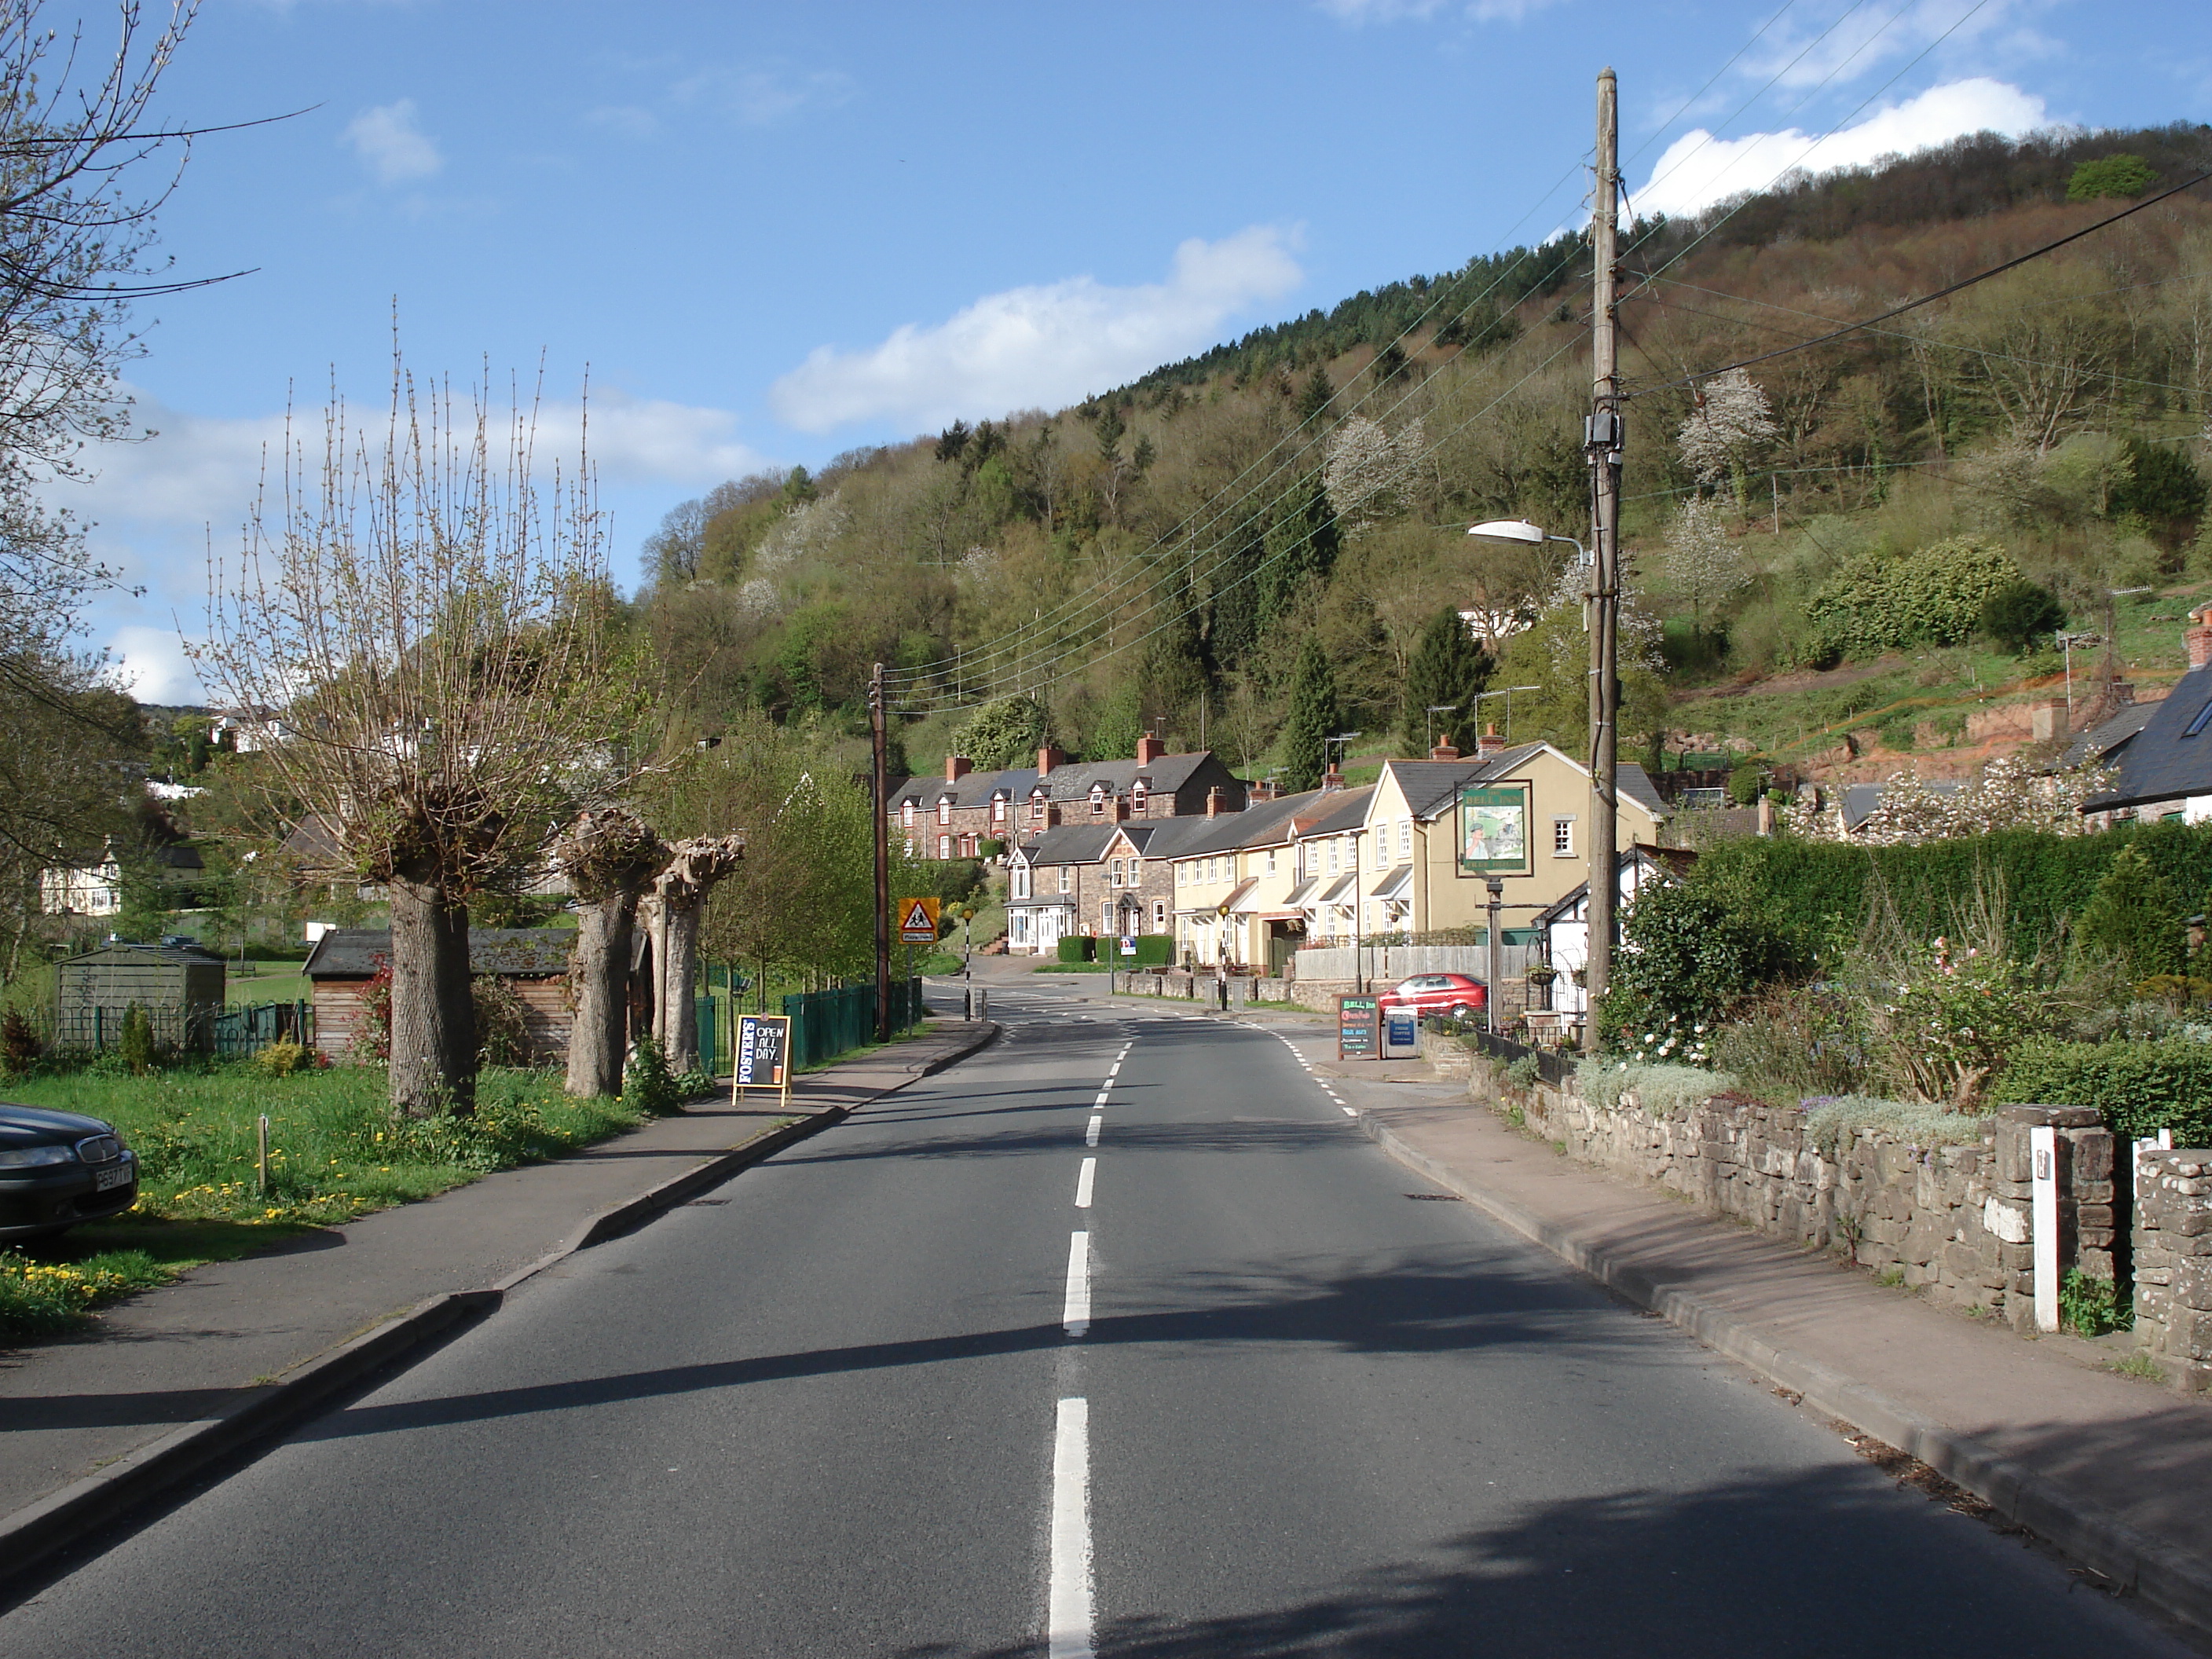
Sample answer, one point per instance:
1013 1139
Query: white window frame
1018 880
944 847
944 809
998 809
906 814
1066 878
1405 839
1097 801
1159 913
1138 794
1562 834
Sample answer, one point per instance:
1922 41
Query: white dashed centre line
1075 1314
1091 1134
1083 1180
1067 1598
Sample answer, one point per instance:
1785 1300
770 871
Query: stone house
952 816
2165 770
1110 880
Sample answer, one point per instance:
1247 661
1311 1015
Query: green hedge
1153 951
2139 1087
1075 947
1806 890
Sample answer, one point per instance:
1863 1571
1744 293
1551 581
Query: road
1117 1338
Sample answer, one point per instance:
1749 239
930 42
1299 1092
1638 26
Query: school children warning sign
917 921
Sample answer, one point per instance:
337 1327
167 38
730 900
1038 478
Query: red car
1438 993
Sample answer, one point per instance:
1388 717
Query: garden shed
177 982
533 961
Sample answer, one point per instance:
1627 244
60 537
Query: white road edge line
1091 1135
1075 1316
1083 1180
1067 1599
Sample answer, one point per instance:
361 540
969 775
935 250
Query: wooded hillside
1157 556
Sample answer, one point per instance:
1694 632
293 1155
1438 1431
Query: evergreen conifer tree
1449 666
1314 396
1313 720
2133 918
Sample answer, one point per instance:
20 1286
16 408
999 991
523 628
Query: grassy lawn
1074 968
334 1153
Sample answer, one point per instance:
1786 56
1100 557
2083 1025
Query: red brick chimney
2196 639
1444 750
1331 779
1149 749
958 767
1215 806
1489 742
1259 789
1048 757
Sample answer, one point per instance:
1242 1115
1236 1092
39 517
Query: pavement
1122 1338
203 1365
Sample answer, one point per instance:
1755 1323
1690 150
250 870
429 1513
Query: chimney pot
1149 749
1331 779
958 767
1489 742
1444 750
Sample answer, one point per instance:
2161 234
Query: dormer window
944 809
1137 792
906 813
1036 806
1097 801
998 809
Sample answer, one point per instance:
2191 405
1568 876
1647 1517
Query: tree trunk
434 1017
600 972
679 986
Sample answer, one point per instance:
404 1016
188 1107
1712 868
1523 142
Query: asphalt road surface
1116 1338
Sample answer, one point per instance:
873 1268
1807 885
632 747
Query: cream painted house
1233 886
1436 830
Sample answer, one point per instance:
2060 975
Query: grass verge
334 1153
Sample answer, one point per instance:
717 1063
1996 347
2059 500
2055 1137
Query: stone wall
1953 1221
2173 1264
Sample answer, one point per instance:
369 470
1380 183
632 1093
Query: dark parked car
1455 995
57 1168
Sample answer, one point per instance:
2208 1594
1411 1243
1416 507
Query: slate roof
1164 775
926 789
2164 761
1069 843
521 952
1431 786
2101 745
1338 811
1861 800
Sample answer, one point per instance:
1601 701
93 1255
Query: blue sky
770 234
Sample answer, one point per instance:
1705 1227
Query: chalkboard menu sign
1359 1035
763 1052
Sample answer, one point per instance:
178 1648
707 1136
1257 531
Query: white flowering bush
2010 794
1667 1091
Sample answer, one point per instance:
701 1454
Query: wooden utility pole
1601 440
878 745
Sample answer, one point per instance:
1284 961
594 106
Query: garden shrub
2138 1088
2018 615
20 1048
1153 951
2134 919
1075 947
137 1044
503 1021
282 1058
1686 959
1667 1090
648 1085
1883 600
1830 1122
1957 1015
1798 1040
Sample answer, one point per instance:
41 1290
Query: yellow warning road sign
917 921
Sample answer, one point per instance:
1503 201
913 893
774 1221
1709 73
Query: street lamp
1520 529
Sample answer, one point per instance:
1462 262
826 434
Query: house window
945 809
1137 796
1066 878
1136 871
1097 801
1019 881
1116 869
944 847
906 813
1270 860
998 809
1405 839
1159 913
1036 807
1332 855
1563 837
1106 918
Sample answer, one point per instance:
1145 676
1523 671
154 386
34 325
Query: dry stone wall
1952 1221
2173 1264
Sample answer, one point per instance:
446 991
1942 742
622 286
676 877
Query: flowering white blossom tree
2010 794
1366 468
1731 423
1703 566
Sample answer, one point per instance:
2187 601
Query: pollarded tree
1314 719
611 856
417 629
674 908
1448 668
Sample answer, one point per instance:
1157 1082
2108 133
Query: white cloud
204 470
153 666
1865 38
1698 170
391 145
1044 345
761 97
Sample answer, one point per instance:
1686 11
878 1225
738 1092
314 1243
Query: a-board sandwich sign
763 1053
1358 1027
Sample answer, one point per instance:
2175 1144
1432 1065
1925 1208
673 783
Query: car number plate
115 1175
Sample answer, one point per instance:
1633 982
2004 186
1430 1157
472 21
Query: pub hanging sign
1493 830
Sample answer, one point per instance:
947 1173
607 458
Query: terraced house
957 815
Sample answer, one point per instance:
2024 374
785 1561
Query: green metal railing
826 1023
